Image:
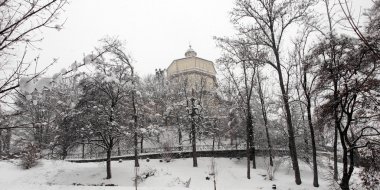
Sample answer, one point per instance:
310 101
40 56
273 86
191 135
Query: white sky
156 31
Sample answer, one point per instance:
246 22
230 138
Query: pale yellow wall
199 82
191 63
193 81
181 70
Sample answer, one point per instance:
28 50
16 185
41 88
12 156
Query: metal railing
184 148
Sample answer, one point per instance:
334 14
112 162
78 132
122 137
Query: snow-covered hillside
231 175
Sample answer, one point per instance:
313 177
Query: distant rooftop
191 63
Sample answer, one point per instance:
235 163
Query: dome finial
190 52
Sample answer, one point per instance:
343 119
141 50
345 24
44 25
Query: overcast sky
155 31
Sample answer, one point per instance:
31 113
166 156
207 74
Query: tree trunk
337 126
333 64
236 143
142 143
7 144
40 136
179 138
1 143
335 147
136 150
193 133
264 113
248 152
64 153
213 145
83 146
269 146
219 142
118 148
347 170
135 120
253 149
311 128
314 148
249 127
194 145
306 140
249 139
305 132
344 184
46 139
292 144
348 156
352 164
109 175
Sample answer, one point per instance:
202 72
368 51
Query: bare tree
356 75
268 20
103 100
329 31
239 55
20 21
366 37
195 111
264 114
124 58
306 80
189 105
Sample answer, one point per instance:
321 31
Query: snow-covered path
230 176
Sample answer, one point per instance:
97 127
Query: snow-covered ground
231 175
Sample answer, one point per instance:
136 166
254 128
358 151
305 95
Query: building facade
192 72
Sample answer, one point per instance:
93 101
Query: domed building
195 73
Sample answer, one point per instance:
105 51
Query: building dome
190 52
195 70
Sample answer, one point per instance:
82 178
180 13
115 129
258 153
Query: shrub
143 176
271 170
370 160
29 156
167 154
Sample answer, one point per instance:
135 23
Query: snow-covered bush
370 175
179 181
144 175
167 154
29 156
271 170
213 170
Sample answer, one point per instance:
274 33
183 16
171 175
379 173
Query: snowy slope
231 174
